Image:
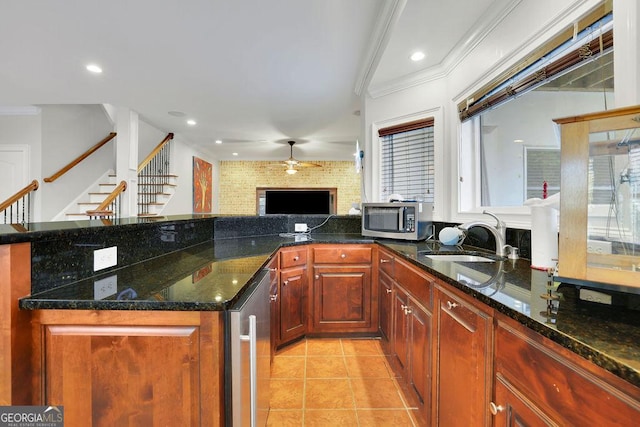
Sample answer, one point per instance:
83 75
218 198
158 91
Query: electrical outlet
106 287
598 247
594 296
301 238
105 258
300 228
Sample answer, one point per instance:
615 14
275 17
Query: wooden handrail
155 151
101 209
33 186
80 158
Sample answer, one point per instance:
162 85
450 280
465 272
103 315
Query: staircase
156 185
152 196
95 196
154 193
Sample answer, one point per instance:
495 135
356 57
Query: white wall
148 138
67 132
23 130
521 119
59 133
182 166
528 25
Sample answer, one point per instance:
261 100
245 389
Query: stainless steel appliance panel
250 342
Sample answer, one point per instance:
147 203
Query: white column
626 62
127 159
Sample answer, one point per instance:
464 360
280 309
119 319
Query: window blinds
542 165
407 163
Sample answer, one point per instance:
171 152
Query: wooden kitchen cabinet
274 302
539 382
292 306
342 297
412 342
385 304
410 326
112 368
292 292
463 361
385 297
514 409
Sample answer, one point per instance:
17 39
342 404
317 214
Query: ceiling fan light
291 170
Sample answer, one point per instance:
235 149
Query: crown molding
386 22
27 110
524 48
474 36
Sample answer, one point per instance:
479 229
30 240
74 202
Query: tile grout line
304 383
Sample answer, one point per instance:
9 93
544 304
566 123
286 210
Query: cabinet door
123 375
463 366
385 302
420 350
342 299
400 328
274 297
293 312
513 410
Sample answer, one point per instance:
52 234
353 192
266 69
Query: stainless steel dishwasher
248 359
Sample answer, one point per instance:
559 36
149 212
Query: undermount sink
459 258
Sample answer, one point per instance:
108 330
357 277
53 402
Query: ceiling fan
292 164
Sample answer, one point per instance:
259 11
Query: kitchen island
177 301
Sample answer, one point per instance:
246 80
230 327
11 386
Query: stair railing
110 207
152 174
80 158
17 208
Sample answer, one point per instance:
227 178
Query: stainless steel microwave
397 220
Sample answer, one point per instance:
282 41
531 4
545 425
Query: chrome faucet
499 231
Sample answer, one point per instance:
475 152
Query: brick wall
239 179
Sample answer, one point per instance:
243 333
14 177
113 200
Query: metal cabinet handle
451 305
296 258
388 291
273 297
273 270
382 260
495 408
407 311
317 276
343 256
403 307
252 338
285 283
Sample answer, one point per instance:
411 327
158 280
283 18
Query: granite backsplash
64 256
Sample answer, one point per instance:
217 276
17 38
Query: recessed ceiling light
94 68
191 122
176 113
518 141
218 141
417 56
235 154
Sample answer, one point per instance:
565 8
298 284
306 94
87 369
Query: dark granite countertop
211 276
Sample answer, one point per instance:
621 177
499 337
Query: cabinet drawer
418 283
293 257
560 385
385 262
342 254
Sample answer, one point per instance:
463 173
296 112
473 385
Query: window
542 165
407 161
572 77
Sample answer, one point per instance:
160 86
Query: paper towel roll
544 237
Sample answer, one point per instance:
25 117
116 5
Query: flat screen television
298 202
